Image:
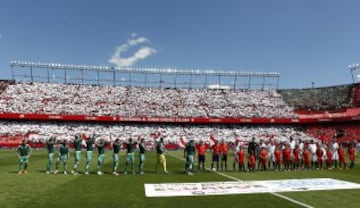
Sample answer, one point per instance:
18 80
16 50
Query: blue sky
305 41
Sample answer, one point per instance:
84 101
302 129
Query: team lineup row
281 156
24 152
287 156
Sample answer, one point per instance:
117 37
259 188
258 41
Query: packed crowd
325 132
3 85
327 98
40 131
50 98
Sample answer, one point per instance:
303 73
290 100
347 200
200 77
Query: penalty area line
237 179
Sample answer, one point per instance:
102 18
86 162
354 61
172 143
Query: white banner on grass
245 187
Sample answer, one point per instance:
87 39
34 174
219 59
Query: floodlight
354 66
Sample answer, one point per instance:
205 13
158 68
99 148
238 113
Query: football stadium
174 138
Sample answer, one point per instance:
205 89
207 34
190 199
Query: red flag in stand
84 139
182 142
212 140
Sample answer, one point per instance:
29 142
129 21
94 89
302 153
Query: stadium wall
352 114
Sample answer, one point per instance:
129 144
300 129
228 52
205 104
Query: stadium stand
319 99
356 96
13 131
4 84
343 132
65 99
93 100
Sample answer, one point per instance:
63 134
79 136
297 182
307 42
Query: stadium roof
142 70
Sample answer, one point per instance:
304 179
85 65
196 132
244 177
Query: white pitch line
272 193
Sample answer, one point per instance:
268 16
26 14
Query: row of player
24 152
292 155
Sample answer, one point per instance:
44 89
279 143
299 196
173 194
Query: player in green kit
130 157
189 152
160 150
89 152
50 148
141 156
101 158
77 153
63 156
24 152
116 149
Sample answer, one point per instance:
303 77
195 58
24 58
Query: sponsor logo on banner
245 187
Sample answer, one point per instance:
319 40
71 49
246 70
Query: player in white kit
292 144
334 149
271 153
301 147
312 147
235 151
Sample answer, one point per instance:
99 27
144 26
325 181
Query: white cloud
142 53
137 41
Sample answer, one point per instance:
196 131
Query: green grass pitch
38 189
